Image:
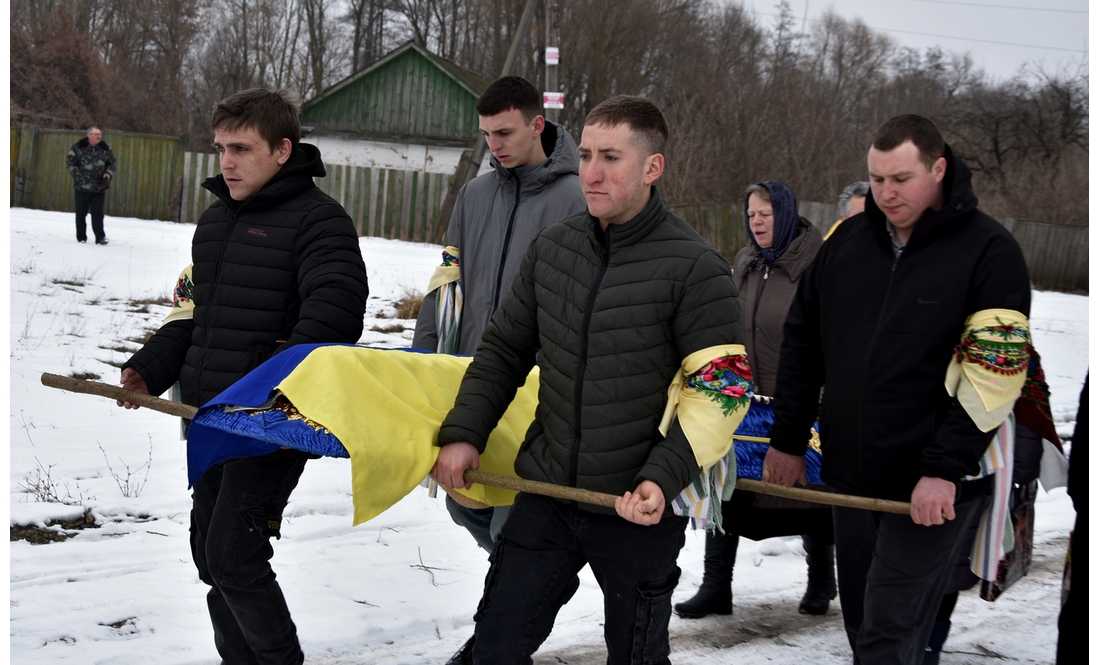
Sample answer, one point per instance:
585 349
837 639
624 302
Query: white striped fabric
702 499
995 536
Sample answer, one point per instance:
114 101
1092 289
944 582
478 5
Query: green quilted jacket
608 317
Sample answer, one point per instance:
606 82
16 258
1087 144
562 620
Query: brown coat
766 295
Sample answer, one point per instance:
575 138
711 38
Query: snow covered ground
400 588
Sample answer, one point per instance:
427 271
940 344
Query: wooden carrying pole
503 482
120 394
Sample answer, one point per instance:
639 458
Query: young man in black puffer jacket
276 262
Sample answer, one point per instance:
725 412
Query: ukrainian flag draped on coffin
380 407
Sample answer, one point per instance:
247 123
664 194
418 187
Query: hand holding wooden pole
120 394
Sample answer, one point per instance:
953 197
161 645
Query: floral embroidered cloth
710 396
989 366
996 376
183 302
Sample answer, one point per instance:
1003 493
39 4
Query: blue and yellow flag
380 407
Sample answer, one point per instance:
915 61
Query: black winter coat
878 333
610 316
280 268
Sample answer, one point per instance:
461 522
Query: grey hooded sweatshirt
495 218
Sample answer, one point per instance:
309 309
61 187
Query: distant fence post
24 166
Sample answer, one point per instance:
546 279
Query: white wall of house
398 156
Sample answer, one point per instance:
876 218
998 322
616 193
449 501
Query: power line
929 34
986 41
978 4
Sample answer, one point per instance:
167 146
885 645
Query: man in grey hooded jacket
533 184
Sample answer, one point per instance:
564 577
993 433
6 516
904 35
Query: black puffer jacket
610 317
280 268
878 333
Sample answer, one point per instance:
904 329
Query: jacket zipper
759 298
870 351
578 390
213 290
507 242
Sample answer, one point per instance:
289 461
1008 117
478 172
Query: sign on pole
553 100
551 55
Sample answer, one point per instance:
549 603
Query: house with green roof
409 95
392 135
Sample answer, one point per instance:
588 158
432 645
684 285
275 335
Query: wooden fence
146 182
156 180
383 203
1057 255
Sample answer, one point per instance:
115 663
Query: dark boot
821 574
935 642
714 595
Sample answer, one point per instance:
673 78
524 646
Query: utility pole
468 166
551 102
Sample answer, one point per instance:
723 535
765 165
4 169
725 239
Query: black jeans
237 508
542 547
891 573
86 201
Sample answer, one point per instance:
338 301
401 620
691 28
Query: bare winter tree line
747 100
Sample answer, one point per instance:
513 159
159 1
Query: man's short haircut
910 127
510 92
272 113
94 127
641 115
858 189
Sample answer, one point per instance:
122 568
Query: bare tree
368 22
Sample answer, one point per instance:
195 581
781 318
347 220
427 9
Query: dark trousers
237 508
542 547
92 201
1073 628
891 573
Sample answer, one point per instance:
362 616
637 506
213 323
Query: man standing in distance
893 299
609 304
276 262
91 163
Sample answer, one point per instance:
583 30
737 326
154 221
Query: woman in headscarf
780 248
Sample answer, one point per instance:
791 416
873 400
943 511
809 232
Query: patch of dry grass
408 305
390 329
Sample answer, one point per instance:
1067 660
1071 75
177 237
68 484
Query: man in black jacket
91 163
876 320
609 303
276 262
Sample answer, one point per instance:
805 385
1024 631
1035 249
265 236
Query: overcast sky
1000 35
